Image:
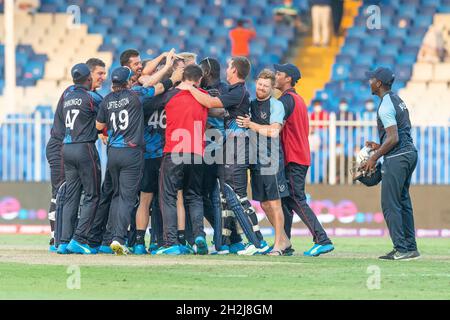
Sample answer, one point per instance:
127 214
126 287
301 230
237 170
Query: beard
262 96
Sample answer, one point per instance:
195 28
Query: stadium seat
422 72
441 72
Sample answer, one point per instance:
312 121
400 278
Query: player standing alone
400 160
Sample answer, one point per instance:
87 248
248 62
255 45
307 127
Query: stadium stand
149 26
47 48
429 84
395 45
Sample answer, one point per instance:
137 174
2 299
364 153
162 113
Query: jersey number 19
122 119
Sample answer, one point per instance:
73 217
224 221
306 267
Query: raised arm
151 66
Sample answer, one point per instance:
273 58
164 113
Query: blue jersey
79 108
155 124
122 112
392 111
266 112
215 90
236 101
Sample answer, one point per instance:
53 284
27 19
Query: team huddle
180 144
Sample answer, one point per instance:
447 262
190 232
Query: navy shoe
318 249
105 250
139 249
62 249
172 250
80 248
202 246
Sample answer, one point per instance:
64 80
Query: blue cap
385 75
121 75
290 69
80 71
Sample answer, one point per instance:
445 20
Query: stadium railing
333 144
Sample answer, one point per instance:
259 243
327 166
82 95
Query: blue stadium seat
265 31
196 41
233 11
207 21
385 60
154 40
343 59
341 71
351 50
364 60
357 32
403 72
434 3
358 72
373 42
408 59
391 50
423 21
192 10
408 10
151 11
110 11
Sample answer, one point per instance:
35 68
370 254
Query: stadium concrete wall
343 210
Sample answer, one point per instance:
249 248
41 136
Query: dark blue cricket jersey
122 112
78 108
155 124
216 90
59 128
392 111
236 101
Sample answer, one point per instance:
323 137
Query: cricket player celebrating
267 175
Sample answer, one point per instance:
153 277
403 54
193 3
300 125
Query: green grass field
28 271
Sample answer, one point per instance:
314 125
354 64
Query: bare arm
390 142
203 98
151 66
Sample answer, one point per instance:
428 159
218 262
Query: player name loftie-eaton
232 309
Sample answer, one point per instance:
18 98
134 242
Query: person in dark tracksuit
212 84
53 153
236 103
400 159
81 162
297 159
122 113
